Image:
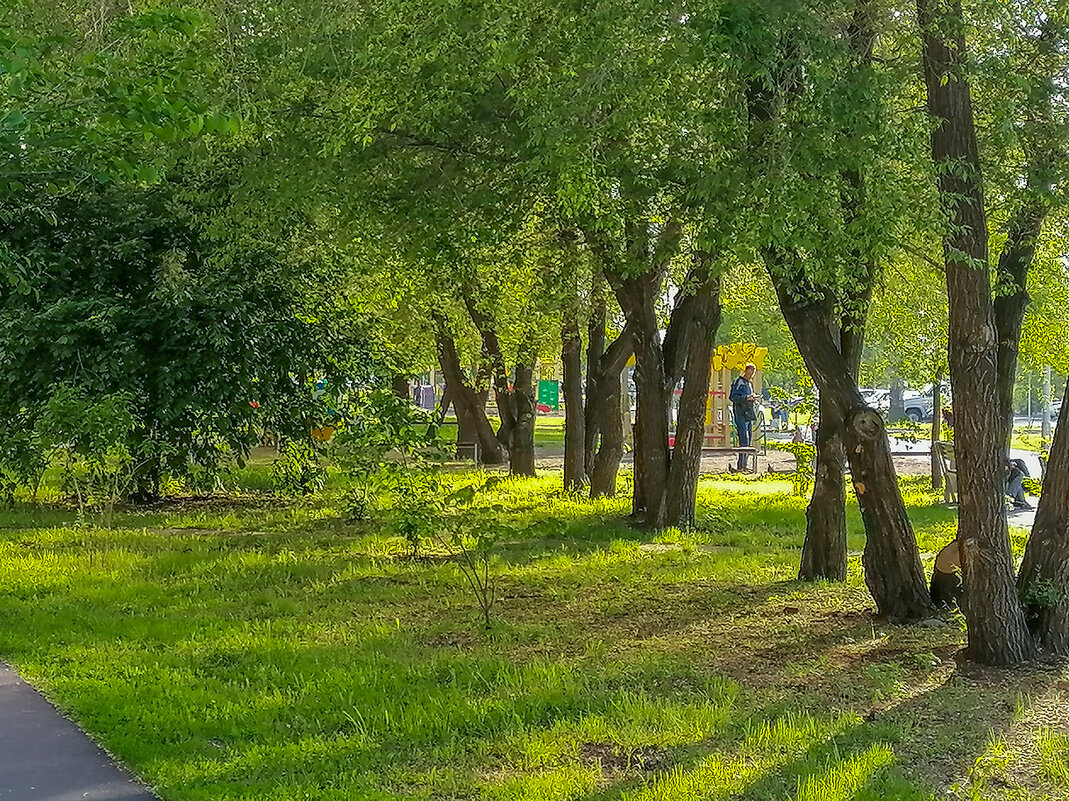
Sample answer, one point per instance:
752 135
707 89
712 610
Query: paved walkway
45 757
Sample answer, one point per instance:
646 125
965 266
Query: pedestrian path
45 757
1023 518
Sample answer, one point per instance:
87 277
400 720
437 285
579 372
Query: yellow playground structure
728 362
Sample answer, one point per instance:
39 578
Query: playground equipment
728 361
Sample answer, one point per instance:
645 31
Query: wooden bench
945 451
749 451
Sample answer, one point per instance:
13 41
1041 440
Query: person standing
743 410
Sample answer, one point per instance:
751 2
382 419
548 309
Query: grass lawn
254 648
549 430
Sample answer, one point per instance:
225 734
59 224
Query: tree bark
896 409
575 465
824 553
522 401
637 297
636 276
400 387
997 634
515 404
937 431
893 570
824 550
465 399
499 374
594 351
1012 301
698 336
604 395
1044 577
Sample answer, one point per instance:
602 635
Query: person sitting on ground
946 577
1016 473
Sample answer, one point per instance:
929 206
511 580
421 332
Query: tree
823 264
1043 581
996 627
124 292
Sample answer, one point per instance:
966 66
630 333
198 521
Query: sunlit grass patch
253 647
1053 749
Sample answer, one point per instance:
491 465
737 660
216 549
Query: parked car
918 409
916 406
876 398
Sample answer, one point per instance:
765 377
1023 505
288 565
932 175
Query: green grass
549 430
252 648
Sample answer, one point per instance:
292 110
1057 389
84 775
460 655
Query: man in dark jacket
742 407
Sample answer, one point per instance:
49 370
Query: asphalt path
45 757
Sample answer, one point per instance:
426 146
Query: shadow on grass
907 751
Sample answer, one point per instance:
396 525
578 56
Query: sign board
549 394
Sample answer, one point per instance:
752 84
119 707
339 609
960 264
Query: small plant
1038 595
804 453
89 438
473 554
297 470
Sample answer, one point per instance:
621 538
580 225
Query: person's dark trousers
744 428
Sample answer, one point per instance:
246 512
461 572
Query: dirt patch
212 503
613 758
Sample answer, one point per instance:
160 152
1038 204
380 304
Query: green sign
549 394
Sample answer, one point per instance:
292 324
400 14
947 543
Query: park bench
945 451
466 447
749 451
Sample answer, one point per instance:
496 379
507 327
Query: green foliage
99 97
378 423
297 470
90 437
23 457
804 455
209 345
1040 594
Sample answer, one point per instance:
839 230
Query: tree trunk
893 570
824 553
651 416
467 431
1043 582
604 397
997 634
499 374
698 336
897 407
574 414
937 431
1012 301
594 351
522 402
611 424
401 389
824 550
465 398
637 293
